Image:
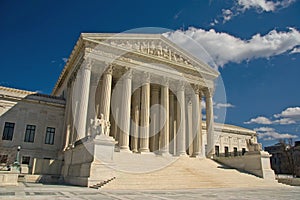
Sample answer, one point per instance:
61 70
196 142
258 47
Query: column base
165 154
182 154
144 150
135 151
197 155
125 150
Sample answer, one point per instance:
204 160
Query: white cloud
264 129
203 105
264 120
223 105
222 48
295 50
227 14
241 6
292 112
259 120
267 133
262 5
288 116
65 59
284 121
275 136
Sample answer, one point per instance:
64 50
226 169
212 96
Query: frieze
154 48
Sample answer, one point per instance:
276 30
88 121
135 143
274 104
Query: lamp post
16 164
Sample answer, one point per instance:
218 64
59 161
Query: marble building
147 92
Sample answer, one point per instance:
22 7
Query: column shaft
180 136
171 118
68 117
164 137
136 118
209 125
106 93
125 112
154 115
84 100
145 114
197 125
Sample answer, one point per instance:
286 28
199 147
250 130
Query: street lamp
16 164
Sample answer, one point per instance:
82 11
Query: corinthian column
84 99
68 115
125 112
145 114
106 93
136 118
171 121
197 124
180 136
154 115
164 136
209 124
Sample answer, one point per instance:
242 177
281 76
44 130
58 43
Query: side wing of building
31 121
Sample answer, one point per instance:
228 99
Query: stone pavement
41 192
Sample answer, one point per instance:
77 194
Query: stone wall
256 163
46 166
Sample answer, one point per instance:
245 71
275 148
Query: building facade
144 92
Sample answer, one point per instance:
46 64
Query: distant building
285 158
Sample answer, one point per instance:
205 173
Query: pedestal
90 162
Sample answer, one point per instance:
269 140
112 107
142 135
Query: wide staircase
135 171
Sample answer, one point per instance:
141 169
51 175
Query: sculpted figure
252 145
100 126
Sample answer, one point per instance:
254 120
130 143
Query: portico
144 82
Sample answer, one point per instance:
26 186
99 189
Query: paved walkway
49 192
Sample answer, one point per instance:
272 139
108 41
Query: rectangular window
25 160
8 131
50 132
29 134
3 158
235 152
217 151
226 152
243 151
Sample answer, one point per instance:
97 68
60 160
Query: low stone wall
290 181
8 178
46 166
256 163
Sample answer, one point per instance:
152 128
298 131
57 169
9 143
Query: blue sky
255 44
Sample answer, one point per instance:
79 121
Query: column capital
181 86
109 70
165 81
208 92
128 73
146 77
88 64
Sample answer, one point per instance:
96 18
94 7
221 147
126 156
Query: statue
253 146
100 126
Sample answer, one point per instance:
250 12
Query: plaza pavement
50 192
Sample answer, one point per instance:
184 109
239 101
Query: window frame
50 134
30 133
8 131
24 158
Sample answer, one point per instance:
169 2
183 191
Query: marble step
184 173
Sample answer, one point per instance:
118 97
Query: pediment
154 45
